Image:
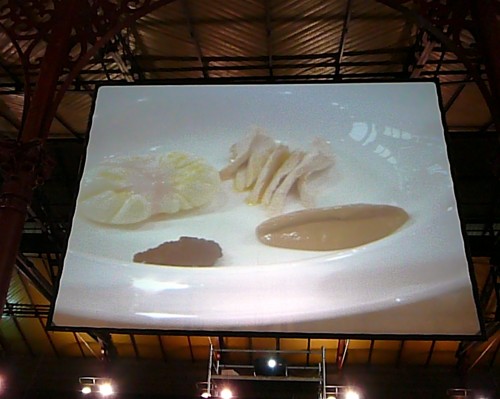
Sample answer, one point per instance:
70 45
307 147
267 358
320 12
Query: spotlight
350 394
226 393
106 389
341 391
270 367
86 390
96 384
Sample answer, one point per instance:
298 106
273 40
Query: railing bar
312 351
266 378
246 366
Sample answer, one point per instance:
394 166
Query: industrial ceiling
257 41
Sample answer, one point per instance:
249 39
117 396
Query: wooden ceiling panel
386 352
445 353
416 353
469 110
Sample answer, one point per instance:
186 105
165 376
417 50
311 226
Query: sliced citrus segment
124 190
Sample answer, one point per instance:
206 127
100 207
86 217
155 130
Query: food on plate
187 251
273 163
320 158
269 169
333 228
131 189
253 144
285 168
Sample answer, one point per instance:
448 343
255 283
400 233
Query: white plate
389 149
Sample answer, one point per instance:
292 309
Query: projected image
319 208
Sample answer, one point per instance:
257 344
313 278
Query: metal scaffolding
304 368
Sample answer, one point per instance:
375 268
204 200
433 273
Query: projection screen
213 162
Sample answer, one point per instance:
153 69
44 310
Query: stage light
101 385
86 390
350 394
226 393
341 392
270 367
106 389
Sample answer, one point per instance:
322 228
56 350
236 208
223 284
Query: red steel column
23 161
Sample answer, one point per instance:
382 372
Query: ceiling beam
262 58
79 344
483 352
162 348
140 51
68 127
122 66
194 37
342 346
455 95
439 64
321 63
467 356
370 352
128 54
105 340
269 33
191 352
80 339
490 288
47 261
343 38
27 310
134 346
412 51
308 18
423 57
400 352
430 353
494 356
424 22
30 271
298 66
